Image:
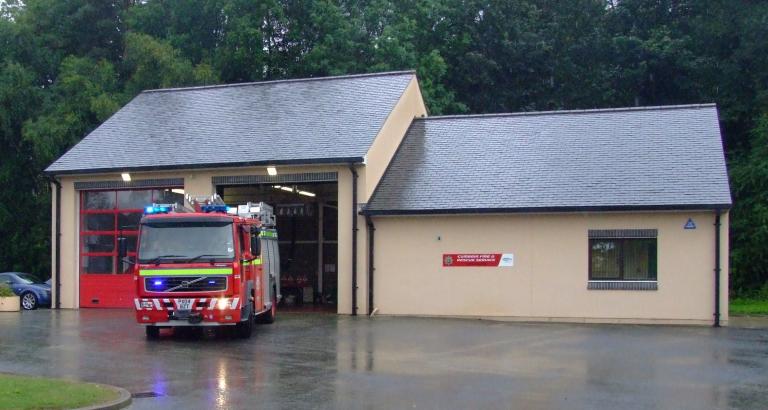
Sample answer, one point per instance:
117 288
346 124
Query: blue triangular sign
690 224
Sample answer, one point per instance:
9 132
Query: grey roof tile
309 120
589 159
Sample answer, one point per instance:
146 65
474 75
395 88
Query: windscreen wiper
157 259
190 260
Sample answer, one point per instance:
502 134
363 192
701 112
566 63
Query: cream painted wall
53 244
410 106
549 277
69 240
198 182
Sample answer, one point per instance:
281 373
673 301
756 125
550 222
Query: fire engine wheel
153 332
29 301
245 329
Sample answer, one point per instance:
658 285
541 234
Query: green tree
24 219
151 63
749 224
66 66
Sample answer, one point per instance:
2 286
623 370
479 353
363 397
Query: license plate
184 304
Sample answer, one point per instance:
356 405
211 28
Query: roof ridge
561 112
287 80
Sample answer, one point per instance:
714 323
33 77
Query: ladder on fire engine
260 210
213 203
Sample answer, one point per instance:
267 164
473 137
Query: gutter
371 231
57 244
241 164
717 269
354 238
546 209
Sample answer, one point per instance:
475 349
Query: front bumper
202 312
44 299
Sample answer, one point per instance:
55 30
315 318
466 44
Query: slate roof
322 120
615 159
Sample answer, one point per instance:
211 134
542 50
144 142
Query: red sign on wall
451 260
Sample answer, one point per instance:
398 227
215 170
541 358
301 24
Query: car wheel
28 301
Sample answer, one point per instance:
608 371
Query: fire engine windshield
188 240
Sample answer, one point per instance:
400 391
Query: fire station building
605 215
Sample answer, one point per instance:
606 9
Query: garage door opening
307 229
106 218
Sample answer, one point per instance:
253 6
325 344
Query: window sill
623 285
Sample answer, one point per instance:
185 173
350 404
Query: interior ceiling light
294 190
126 176
178 191
272 171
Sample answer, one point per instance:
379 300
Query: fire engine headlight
146 304
223 303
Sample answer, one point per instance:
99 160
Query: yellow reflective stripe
181 272
268 234
257 261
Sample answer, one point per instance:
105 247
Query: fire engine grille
185 283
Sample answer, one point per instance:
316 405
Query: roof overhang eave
553 209
313 161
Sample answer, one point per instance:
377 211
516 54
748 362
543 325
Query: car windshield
186 240
26 279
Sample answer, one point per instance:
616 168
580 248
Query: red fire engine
210 265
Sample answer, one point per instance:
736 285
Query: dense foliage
66 66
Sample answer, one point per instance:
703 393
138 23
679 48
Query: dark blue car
31 292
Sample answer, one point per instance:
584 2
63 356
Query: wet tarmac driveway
329 361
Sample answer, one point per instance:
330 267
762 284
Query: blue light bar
156 210
158 283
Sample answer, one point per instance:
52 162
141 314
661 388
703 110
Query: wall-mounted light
272 171
126 176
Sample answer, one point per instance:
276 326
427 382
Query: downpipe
354 238
371 268
717 269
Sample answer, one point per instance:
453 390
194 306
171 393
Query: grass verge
24 392
749 306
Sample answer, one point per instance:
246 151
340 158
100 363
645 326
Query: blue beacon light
156 210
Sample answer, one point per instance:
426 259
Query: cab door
247 267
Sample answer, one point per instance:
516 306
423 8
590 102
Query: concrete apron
331 361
